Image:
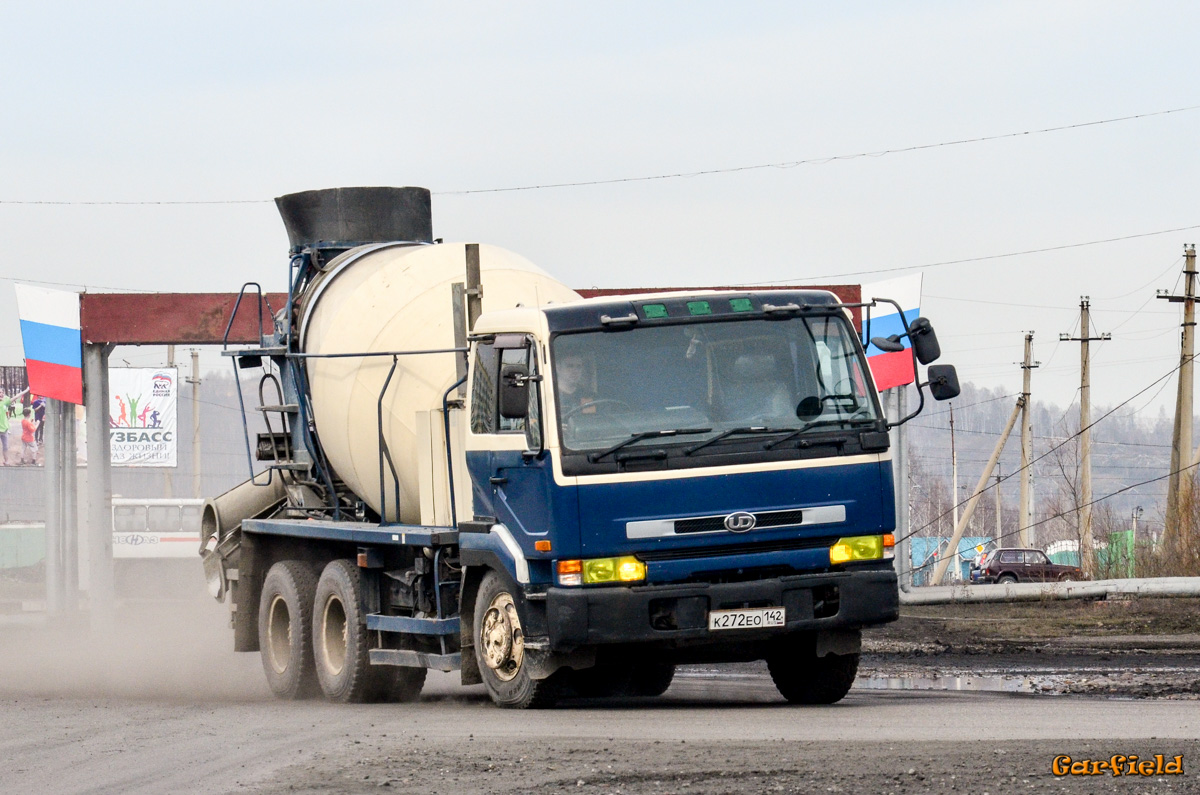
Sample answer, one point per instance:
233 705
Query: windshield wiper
637 437
731 432
817 424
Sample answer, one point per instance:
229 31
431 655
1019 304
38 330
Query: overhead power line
984 258
673 175
817 160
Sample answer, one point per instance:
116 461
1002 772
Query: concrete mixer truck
464 466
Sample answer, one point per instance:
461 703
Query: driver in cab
575 389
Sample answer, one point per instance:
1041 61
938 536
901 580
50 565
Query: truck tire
284 629
500 648
802 677
652 679
341 641
601 681
403 684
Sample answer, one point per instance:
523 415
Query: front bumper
578 617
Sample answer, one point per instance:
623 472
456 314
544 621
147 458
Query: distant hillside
1126 450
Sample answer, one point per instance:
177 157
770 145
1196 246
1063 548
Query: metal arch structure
111 319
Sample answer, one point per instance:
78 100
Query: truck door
512 477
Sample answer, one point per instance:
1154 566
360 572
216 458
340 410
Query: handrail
449 452
385 451
238 303
368 354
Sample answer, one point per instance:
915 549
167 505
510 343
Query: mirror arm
530 453
913 349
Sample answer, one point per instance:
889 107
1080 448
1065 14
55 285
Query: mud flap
542 663
839 641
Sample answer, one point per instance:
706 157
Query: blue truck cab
684 478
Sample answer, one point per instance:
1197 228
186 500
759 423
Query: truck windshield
727 379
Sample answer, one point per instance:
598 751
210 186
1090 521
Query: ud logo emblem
740 522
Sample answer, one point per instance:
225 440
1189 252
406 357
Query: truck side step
413 626
416 659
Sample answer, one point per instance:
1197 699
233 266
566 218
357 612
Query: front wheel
802 677
1006 579
500 648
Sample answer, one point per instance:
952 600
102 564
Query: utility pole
939 571
195 382
999 532
1181 439
953 469
1086 547
168 491
1024 512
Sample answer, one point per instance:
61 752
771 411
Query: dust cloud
173 645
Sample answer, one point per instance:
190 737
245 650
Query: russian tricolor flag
53 346
892 369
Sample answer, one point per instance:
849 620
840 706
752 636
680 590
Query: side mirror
890 344
514 392
924 341
943 381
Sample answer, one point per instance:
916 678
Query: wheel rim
279 634
501 638
333 635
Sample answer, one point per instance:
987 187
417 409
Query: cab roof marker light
699 308
741 304
654 311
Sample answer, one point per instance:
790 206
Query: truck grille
709 524
736 549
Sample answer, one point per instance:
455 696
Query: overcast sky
126 102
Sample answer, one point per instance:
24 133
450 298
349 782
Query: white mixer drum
396 298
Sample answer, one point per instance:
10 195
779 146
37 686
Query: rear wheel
284 629
802 677
500 648
341 641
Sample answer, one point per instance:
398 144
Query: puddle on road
987 684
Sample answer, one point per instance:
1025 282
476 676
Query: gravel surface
702 768
162 704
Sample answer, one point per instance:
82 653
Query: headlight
858 548
598 571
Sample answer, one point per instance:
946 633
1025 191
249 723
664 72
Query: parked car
1022 565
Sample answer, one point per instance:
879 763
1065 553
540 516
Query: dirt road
163 706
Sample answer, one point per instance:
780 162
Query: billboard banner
142 416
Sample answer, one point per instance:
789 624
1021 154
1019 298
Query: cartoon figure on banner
121 420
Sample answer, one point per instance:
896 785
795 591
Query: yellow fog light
602 570
856 548
630 570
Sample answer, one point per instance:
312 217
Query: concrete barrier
1036 591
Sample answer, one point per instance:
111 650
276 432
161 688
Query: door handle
497 481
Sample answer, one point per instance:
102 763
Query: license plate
747 618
